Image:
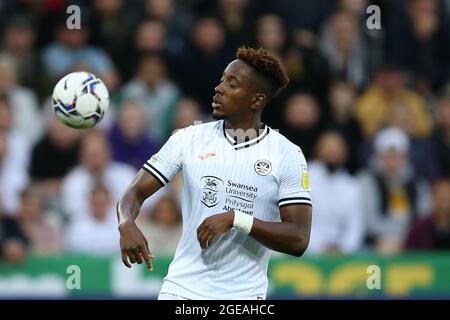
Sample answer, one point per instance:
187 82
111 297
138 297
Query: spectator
96 165
307 70
163 226
433 232
423 152
150 37
356 7
301 117
96 233
338 224
112 28
386 93
342 103
19 147
43 235
130 143
24 104
187 113
425 31
207 55
70 52
271 34
153 90
177 20
13 243
345 49
13 174
393 195
302 15
19 39
54 155
441 135
237 17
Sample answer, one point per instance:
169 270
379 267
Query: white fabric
91 236
243 221
13 172
26 114
338 217
19 150
78 184
216 179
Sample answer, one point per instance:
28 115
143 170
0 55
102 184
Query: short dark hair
265 64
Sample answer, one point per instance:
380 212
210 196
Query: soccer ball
80 100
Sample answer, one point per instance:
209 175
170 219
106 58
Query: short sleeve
294 185
168 161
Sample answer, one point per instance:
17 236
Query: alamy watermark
73 281
373 22
74 20
374 279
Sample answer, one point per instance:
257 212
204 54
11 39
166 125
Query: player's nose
219 88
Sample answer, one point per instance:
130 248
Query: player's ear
259 100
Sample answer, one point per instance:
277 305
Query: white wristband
243 221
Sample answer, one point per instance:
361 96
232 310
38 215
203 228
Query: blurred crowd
369 108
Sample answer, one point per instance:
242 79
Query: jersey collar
264 131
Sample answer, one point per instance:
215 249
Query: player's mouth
216 103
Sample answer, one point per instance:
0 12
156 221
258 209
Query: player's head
247 84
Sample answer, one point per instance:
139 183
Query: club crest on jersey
263 167
211 186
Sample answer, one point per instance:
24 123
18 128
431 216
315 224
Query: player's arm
290 236
133 244
155 173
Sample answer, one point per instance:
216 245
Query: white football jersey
256 177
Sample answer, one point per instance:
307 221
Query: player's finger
125 259
199 232
200 227
147 256
206 240
148 250
202 237
130 254
139 258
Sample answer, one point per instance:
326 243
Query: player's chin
218 115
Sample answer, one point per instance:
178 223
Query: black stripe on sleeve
294 198
155 176
296 204
158 172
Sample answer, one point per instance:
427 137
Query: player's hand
134 246
212 227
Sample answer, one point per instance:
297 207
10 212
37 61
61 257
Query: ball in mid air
80 100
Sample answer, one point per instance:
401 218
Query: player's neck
244 130
243 124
